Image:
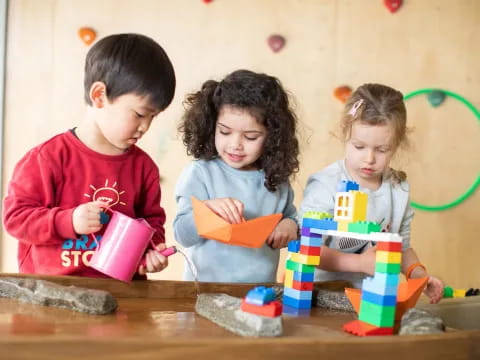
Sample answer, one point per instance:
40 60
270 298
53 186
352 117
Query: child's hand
229 209
86 217
367 261
154 261
285 231
434 289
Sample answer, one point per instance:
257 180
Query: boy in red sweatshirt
59 188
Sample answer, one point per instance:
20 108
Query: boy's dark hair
131 63
265 99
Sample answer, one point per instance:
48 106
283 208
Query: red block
389 246
360 328
302 285
310 250
272 309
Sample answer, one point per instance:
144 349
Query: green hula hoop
476 183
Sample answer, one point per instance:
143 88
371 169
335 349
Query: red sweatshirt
52 179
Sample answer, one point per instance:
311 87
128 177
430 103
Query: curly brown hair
264 98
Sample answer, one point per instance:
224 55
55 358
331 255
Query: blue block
377 287
297 294
346 185
260 295
311 241
293 311
303 277
300 304
294 246
386 279
388 300
327 223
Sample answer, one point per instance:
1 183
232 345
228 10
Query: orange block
251 233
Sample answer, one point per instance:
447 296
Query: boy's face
368 153
239 138
123 122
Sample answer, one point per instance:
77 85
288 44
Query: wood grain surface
156 319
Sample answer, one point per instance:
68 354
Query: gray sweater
216 261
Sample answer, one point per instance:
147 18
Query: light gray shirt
216 261
388 205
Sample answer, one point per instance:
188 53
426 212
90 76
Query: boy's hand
154 261
285 231
86 217
229 209
434 289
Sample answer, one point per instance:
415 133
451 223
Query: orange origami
251 233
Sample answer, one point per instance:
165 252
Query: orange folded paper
250 233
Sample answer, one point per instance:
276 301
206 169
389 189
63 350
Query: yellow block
342 225
389 257
288 278
459 293
305 259
360 200
350 206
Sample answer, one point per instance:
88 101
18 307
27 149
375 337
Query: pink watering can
123 246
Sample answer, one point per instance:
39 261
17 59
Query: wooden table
156 319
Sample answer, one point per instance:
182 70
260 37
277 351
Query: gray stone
418 321
46 293
335 300
224 310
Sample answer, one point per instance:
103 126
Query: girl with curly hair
242 134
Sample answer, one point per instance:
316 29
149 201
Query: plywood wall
429 43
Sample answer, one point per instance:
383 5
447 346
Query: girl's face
368 153
239 138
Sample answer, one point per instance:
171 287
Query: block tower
379 294
303 256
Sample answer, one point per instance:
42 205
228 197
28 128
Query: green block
318 215
364 227
378 315
382 267
447 292
293 265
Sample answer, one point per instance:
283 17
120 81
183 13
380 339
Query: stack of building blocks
261 301
303 256
379 294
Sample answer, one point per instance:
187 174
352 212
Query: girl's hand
229 209
367 261
86 217
434 289
286 230
154 261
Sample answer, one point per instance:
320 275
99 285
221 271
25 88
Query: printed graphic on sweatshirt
107 193
78 252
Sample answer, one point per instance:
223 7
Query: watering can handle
107 208
165 252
